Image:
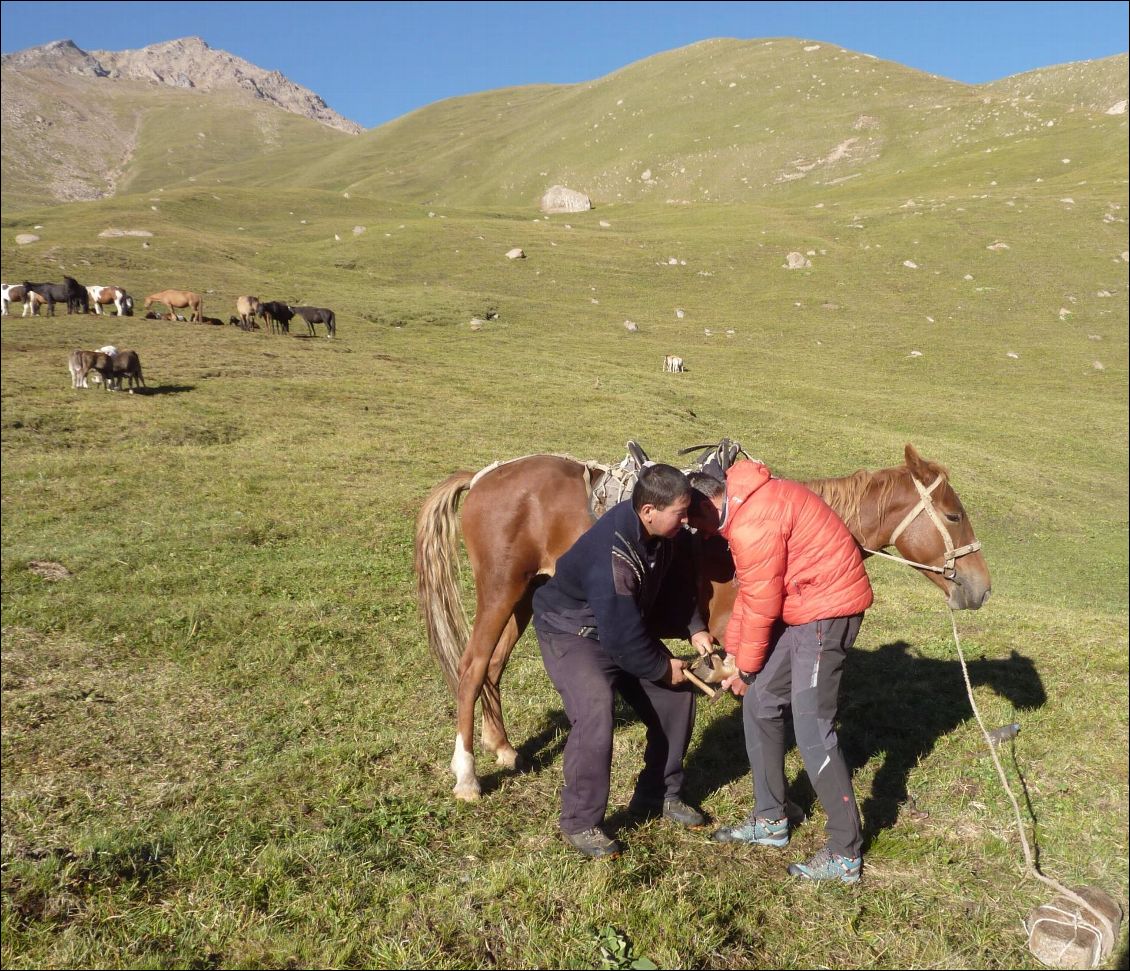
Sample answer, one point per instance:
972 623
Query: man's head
661 498
707 497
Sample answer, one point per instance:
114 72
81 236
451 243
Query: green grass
225 743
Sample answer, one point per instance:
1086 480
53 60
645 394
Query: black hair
708 485
659 486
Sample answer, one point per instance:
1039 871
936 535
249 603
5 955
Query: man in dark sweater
596 621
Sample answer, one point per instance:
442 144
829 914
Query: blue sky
377 61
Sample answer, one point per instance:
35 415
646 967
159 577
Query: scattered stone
1094 337
631 326
516 254
604 224
1118 108
1098 365
358 230
910 264
1064 313
646 175
1014 355
680 314
49 570
476 324
24 238
915 353
559 198
797 261
108 233
998 246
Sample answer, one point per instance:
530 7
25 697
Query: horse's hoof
467 792
509 759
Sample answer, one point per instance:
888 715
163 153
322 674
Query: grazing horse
519 517
122 301
247 308
69 291
178 299
317 315
11 293
277 316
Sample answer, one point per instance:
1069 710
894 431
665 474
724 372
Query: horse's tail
437 573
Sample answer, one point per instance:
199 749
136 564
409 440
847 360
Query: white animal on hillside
673 364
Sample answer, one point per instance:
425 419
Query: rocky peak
184 63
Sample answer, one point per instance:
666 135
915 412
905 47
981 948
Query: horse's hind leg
494 729
490 628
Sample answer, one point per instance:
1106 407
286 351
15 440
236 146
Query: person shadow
894 706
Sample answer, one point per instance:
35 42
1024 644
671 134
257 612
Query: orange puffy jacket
794 559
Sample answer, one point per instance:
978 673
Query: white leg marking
463 765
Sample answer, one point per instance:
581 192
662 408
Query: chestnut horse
178 299
520 516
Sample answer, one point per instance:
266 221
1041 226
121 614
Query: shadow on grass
164 389
536 753
893 706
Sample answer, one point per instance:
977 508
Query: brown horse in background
177 300
519 517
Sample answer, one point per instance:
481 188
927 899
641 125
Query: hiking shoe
594 843
826 865
672 808
763 832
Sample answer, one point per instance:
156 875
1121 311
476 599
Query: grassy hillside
84 138
225 743
723 121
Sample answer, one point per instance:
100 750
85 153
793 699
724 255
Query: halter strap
926 504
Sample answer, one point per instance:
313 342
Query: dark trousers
803 672
587 680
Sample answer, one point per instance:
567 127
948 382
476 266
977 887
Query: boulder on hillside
797 261
558 198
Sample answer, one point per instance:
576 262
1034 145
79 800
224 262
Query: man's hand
674 675
703 643
735 684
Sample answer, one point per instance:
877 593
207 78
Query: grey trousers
587 679
803 672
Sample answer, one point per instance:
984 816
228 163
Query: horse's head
935 531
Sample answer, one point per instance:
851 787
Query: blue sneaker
826 865
763 832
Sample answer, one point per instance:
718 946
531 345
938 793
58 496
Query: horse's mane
845 494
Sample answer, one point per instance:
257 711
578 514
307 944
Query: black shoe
672 808
594 843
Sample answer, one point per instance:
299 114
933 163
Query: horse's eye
953 517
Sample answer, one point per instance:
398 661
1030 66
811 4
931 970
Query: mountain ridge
187 62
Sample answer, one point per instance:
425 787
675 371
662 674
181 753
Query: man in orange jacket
802 594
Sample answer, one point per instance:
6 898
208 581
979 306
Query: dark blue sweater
606 586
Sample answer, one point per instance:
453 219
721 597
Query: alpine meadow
225 741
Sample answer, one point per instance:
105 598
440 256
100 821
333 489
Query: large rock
560 199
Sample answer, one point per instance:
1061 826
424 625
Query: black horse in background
276 315
70 291
317 315
894 706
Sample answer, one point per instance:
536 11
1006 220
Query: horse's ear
920 468
915 462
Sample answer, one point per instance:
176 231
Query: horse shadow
894 705
164 389
536 753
